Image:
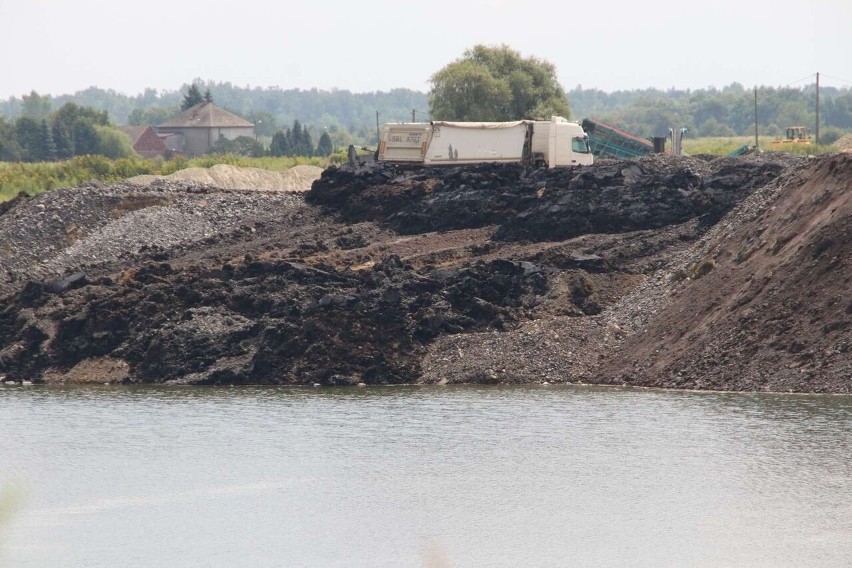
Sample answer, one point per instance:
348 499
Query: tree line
290 142
70 131
347 117
338 118
729 111
43 135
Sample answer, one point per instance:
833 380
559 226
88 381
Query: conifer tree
307 146
296 140
47 149
192 97
10 150
62 141
278 147
84 138
27 135
325 146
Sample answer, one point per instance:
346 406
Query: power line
845 81
805 78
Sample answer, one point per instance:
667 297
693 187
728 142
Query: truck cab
559 143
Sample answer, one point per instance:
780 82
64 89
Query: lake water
424 477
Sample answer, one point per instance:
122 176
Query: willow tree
495 83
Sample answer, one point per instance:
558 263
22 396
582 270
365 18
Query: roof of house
145 140
134 132
205 115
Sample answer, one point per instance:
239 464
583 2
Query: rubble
493 273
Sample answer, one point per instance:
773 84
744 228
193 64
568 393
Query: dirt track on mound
646 272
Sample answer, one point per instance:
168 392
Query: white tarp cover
480 125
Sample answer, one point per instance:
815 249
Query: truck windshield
580 145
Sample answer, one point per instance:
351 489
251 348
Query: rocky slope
731 273
769 304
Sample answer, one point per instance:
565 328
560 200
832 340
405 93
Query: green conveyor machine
609 141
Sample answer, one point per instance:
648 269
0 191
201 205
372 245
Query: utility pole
378 134
755 118
816 130
413 119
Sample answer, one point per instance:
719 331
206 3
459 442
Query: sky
62 46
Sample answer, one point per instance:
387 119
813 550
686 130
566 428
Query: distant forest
351 117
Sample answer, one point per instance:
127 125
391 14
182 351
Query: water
435 477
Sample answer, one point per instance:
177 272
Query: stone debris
662 271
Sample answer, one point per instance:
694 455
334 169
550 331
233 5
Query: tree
324 147
712 127
295 139
27 135
47 149
35 106
85 138
208 97
242 145
70 113
74 129
280 145
301 143
496 84
10 150
62 140
192 97
113 143
264 122
152 116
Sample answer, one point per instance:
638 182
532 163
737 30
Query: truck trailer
544 143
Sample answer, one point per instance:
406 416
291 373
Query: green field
722 146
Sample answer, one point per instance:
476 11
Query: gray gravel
96 227
633 312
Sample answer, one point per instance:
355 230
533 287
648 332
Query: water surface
408 476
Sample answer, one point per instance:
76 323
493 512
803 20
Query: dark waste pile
678 272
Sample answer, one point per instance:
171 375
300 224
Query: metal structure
741 151
795 135
677 140
606 140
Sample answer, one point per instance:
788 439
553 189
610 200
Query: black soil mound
364 280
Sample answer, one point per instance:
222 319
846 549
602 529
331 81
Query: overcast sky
62 46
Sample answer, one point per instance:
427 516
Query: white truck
551 143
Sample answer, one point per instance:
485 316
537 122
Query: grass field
722 146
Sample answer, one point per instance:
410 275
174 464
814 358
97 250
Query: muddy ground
730 273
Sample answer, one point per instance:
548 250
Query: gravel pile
297 178
844 144
707 267
633 312
761 302
60 232
570 348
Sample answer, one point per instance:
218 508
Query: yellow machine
795 135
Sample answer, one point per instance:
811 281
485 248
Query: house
195 130
145 141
